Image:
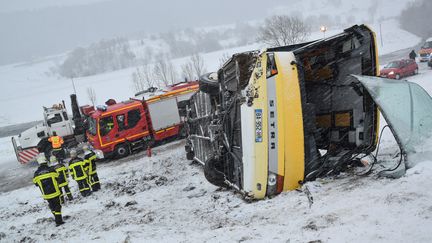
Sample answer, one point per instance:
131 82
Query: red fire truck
118 129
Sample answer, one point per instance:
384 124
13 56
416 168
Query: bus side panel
260 131
293 121
280 105
377 73
248 145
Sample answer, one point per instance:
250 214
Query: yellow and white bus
272 119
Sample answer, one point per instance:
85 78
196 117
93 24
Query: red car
399 69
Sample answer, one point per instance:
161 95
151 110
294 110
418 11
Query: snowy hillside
27 87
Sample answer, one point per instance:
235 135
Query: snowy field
165 198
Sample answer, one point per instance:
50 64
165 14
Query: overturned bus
270 120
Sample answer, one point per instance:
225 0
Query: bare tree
222 60
91 95
164 71
187 71
281 30
198 65
194 68
142 78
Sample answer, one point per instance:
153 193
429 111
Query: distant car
426 50
399 69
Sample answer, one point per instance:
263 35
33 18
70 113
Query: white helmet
53 160
41 159
73 153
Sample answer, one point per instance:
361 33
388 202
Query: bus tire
209 84
213 174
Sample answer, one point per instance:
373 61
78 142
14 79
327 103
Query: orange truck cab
121 128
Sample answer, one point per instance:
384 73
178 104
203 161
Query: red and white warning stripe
27 155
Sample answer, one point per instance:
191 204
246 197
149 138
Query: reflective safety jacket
63 172
56 141
76 167
45 178
90 161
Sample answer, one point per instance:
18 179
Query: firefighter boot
84 187
95 182
58 218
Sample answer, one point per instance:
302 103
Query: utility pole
323 29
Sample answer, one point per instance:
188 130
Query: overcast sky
32 28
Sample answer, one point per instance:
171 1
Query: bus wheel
213 174
208 83
122 150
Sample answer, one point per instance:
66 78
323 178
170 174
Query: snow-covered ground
165 198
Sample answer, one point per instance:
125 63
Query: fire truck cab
112 127
121 128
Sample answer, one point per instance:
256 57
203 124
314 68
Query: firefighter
76 166
56 143
412 55
63 183
90 161
45 178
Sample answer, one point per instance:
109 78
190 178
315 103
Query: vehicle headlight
99 154
272 180
391 73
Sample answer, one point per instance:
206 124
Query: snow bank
165 198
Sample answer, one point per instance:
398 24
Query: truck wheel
208 83
190 155
213 174
188 148
121 150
